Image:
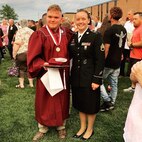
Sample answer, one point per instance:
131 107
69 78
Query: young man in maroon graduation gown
49 42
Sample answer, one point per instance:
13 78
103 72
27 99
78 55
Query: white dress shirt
129 28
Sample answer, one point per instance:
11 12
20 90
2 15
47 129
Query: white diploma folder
52 81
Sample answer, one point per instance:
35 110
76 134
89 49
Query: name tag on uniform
86 43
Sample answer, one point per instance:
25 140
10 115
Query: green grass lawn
17 123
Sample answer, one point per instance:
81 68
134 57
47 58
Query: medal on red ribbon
57 43
58 49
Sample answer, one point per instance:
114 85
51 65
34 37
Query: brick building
101 7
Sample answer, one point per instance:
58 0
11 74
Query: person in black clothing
114 41
87 52
11 33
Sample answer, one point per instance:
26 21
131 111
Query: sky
33 9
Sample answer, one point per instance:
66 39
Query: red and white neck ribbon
57 43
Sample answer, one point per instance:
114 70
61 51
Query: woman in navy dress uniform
87 51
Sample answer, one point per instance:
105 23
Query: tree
8 12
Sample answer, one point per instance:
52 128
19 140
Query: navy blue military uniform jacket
88 59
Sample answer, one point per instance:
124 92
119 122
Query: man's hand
45 66
94 86
128 43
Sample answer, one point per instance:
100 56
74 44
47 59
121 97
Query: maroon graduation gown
49 111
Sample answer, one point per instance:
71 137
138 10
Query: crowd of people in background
118 46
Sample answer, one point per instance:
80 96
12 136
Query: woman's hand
94 86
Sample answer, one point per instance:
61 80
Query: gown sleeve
35 59
99 59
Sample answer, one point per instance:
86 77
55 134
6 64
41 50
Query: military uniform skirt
86 100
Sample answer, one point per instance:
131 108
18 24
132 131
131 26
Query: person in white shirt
126 53
98 23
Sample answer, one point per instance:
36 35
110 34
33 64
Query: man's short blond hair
54 7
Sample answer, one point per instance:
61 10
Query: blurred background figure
1 45
66 23
97 22
135 45
4 27
125 69
44 21
31 25
11 33
20 52
91 23
104 26
74 27
39 24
